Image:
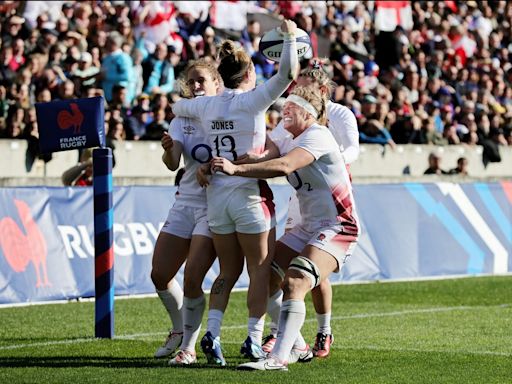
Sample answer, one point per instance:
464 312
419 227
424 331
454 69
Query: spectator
157 127
31 134
157 72
6 55
135 124
80 175
434 165
491 152
86 70
430 134
372 132
120 99
116 67
461 168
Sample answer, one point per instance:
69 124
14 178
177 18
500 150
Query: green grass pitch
434 331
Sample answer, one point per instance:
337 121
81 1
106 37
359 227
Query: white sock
293 313
172 299
192 315
255 329
324 322
300 343
214 322
273 309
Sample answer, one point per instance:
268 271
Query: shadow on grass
99 361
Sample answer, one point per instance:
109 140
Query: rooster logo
23 247
66 119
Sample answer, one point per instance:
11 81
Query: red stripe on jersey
267 199
339 195
344 241
343 202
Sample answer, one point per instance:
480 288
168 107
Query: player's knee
307 268
192 286
295 284
159 280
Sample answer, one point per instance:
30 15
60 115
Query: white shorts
331 239
294 218
184 221
246 209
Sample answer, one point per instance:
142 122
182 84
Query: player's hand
166 141
202 175
289 27
220 164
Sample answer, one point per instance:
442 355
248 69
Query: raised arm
265 94
191 107
289 64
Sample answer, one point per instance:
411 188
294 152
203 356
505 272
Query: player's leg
165 266
340 244
282 257
231 265
200 259
258 250
304 273
322 301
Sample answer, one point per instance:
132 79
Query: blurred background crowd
422 72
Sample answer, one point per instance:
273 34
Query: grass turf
442 331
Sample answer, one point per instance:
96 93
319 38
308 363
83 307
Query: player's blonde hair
316 98
319 77
200 63
234 64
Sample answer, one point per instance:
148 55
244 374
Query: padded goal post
77 124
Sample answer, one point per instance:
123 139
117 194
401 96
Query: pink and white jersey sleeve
195 152
323 187
343 126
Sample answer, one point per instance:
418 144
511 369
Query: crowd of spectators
446 79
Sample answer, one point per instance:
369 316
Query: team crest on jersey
321 237
188 130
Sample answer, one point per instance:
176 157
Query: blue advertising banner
409 231
70 124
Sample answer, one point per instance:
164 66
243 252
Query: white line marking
448 351
244 289
356 316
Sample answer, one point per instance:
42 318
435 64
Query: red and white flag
229 14
391 14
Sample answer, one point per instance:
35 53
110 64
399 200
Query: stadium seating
139 162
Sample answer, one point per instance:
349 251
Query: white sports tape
303 103
308 268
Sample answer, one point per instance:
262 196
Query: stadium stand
436 78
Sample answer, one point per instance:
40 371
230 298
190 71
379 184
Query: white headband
303 103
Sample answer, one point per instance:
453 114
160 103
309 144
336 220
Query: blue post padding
103 241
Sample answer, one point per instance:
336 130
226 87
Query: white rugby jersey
343 125
323 187
234 121
196 151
